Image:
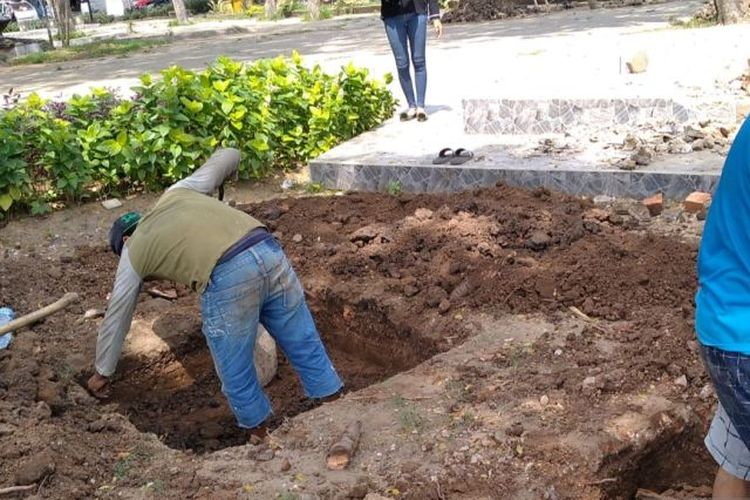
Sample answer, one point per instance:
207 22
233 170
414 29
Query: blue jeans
260 286
411 28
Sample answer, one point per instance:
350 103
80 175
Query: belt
253 237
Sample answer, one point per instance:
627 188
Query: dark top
393 8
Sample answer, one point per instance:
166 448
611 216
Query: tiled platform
401 154
675 177
544 116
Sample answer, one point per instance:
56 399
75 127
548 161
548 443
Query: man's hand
438 27
98 386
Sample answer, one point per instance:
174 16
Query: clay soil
392 281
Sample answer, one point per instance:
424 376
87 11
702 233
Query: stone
112 203
588 385
266 361
539 240
7 429
422 214
265 455
643 157
681 381
638 63
515 430
444 306
93 313
603 200
697 201
35 469
639 212
693 134
285 466
654 204
678 146
706 392
544 400
297 238
410 290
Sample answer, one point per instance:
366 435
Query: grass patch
408 415
695 22
88 51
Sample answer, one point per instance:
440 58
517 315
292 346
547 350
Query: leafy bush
198 6
103 18
163 10
277 112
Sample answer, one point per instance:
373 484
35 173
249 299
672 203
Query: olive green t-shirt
184 235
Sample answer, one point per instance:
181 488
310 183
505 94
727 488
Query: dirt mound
391 280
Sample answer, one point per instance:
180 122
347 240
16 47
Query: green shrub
277 112
198 6
163 10
103 18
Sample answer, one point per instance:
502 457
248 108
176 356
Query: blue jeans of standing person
260 286
407 35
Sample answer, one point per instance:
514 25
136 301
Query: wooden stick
588 319
28 319
342 451
16 489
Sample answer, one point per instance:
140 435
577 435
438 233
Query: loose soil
392 281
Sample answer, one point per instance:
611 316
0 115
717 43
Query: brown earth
391 281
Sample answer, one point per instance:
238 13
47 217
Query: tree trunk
313 9
270 8
63 19
731 11
180 11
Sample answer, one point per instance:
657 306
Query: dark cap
123 226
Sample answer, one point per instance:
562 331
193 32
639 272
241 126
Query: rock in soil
35 468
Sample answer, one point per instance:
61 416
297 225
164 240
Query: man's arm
222 164
119 315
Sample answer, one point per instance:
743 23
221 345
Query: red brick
697 201
655 204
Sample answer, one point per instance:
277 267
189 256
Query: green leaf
221 86
226 106
5 201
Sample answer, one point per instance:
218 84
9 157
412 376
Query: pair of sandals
457 157
412 113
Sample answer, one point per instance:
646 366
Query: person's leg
729 434
230 309
417 32
395 30
287 318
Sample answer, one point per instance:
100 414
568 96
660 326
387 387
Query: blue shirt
723 299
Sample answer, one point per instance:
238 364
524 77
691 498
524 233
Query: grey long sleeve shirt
220 166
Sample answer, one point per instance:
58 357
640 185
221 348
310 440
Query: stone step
544 116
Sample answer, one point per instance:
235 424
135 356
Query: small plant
122 466
103 18
314 188
393 188
158 486
408 415
287 495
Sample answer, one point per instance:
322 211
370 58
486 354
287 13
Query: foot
407 115
332 397
421 115
257 435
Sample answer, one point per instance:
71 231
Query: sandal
444 156
421 115
461 156
407 115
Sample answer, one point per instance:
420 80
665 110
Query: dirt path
570 53
523 400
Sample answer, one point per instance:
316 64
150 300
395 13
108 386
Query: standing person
723 319
406 27
243 277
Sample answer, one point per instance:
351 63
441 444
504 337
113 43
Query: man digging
243 277
723 319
